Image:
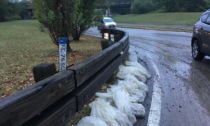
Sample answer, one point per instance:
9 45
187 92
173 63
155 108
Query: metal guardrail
52 101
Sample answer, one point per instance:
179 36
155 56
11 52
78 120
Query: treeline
12 10
144 6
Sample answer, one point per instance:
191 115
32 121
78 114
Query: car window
208 20
204 17
108 20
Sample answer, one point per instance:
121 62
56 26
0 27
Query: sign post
62 53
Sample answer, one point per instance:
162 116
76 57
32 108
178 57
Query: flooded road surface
183 98
184 83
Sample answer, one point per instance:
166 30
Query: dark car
201 37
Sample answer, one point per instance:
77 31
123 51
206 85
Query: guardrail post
102 33
109 35
43 70
117 36
104 44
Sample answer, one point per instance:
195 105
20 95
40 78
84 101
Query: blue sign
62 53
63 40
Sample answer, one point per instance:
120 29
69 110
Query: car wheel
196 53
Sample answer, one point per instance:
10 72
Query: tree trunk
76 35
69 50
76 38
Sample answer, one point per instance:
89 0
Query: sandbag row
121 104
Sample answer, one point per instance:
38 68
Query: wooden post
102 34
117 36
104 44
43 70
109 34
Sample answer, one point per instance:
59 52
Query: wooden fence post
102 33
109 35
43 70
104 44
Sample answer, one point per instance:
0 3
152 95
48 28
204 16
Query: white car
106 23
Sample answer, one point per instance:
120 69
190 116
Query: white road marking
155 109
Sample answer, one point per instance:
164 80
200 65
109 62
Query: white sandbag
107 96
136 64
130 79
133 91
126 70
122 101
91 121
138 110
139 66
132 55
112 116
132 88
136 99
140 94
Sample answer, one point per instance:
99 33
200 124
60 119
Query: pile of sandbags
121 104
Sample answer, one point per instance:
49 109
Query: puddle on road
183 69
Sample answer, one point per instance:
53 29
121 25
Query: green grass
21 41
187 18
23 46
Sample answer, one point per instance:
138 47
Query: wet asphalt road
184 83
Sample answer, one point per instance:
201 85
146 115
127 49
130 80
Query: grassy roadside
23 46
162 21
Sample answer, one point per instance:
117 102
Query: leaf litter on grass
23 46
